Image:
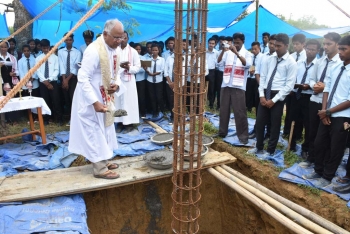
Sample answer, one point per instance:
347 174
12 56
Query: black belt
304 95
272 91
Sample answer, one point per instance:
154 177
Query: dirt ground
145 207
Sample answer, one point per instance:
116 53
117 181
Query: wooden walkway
45 184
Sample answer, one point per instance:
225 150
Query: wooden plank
44 184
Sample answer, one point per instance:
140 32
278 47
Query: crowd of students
312 84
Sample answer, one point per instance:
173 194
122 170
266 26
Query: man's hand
318 87
65 85
48 84
305 87
269 104
322 114
263 101
233 49
99 107
125 65
252 72
326 121
112 88
171 85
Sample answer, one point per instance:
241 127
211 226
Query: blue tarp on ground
4 32
155 17
65 214
268 22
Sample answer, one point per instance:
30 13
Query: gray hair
111 24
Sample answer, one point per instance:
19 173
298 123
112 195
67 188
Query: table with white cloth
36 105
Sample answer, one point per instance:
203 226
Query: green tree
305 22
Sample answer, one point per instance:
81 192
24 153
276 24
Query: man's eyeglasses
117 38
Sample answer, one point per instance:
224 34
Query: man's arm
136 63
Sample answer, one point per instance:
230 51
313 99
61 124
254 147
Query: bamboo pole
156 127
301 210
276 204
259 203
291 135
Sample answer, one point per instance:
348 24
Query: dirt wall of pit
145 208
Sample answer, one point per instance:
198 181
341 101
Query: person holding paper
237 61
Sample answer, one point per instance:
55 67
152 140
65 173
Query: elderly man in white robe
130 65
92 132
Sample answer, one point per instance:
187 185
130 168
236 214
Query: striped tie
334 87
298 94
269 85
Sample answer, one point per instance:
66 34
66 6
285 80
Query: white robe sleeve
136 63
89 65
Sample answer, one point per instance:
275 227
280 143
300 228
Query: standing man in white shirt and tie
48 75
170 42
317 84
301 95
68 57
264 47
277 80
331 137
24 65
211 58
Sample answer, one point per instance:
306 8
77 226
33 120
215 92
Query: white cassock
88 135
129 100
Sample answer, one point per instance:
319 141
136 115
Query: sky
324 12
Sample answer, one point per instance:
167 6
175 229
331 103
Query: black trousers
269 115
250 93
141 94
170 96
211 86
54 97
233 97
314 122
300 114
287 119
218 82
329 147
68 94
155 91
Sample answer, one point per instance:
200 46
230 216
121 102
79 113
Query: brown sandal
108 175
112 166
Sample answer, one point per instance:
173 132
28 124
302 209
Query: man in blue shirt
331 137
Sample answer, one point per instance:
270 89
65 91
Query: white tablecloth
15 104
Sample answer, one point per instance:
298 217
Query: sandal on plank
108 175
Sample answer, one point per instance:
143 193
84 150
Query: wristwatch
328 112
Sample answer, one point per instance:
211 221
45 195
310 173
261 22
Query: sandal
112 166
343 180
108 175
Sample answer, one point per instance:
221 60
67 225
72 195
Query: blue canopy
4 32
156 18
268 22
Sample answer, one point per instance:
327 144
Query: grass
209 128
290 158
311 190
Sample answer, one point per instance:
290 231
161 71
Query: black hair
215 37
127 34
266 34
170 39
282 37
25 46
211 39
345 41
272 37
71 36
155 45
161 44
184 40
136 45
12 40
88 34
333 36
228 38
30 40
148 43
239 36
37 41
256 43
131 43
313 42
299 38
222 38
45 42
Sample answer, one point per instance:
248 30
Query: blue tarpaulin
156 18
4 32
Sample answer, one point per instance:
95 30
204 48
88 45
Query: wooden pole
257 20
339 8
259 203
303 211
291 135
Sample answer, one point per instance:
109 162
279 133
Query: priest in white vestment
130 65
92 132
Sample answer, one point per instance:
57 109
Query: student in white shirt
170 43
331 137
48 76
301 96
211 58
317 84
155 81
277 80
68 57
169 75
88 36
264 47
141 83
24 65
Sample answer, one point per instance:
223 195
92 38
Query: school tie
68 63
28 64
269 85
298 54
46 69
154 70
323 75
298 94
264 46
330 98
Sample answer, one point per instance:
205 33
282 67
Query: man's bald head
113 33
